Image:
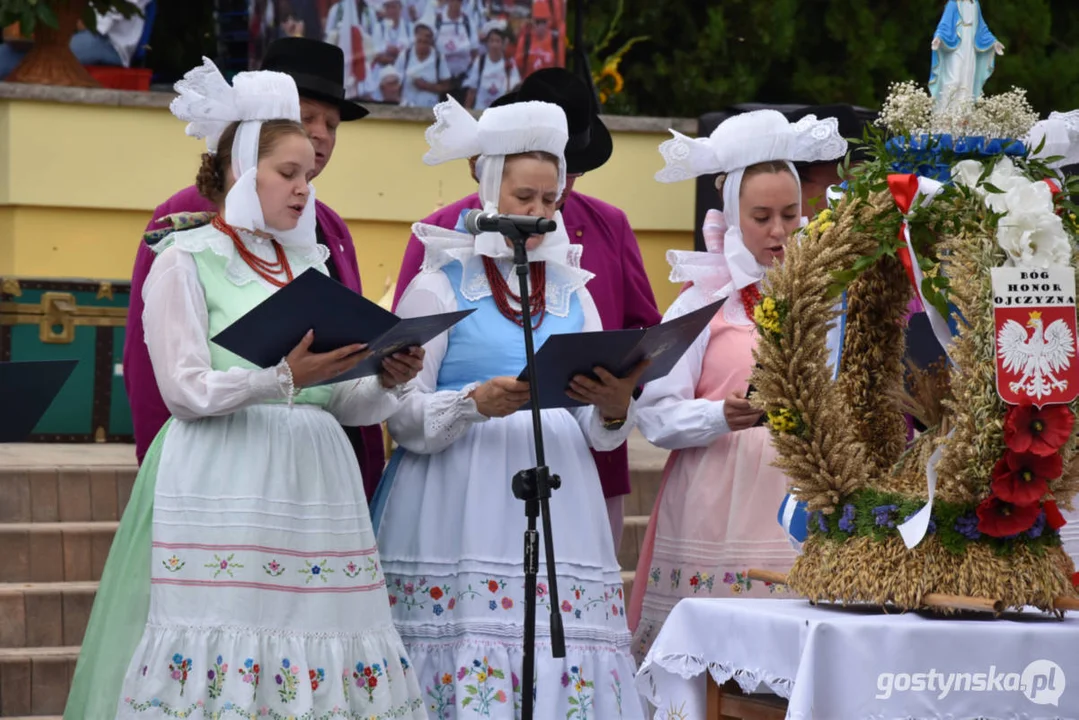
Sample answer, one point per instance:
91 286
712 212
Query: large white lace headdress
739 142
1058 137
500 131
209 105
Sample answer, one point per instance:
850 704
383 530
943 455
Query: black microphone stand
534 487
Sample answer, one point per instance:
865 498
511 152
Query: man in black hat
621 290
318 69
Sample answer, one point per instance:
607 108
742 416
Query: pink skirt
714 519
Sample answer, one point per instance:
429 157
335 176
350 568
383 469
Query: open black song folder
338 316
27 389
617 351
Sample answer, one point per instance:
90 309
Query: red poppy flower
1053 517
1042 432
1023 478
997 518
492 586
436 593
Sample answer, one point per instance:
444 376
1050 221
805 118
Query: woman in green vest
244 580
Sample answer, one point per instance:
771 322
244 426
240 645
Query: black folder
338 316
27 389
617 351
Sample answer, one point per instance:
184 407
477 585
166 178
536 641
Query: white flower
1027 197
1031 234
1006 177
968 172
1007 115
907 109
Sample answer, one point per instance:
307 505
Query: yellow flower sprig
820 224
786 421
608 80
768 315
607 90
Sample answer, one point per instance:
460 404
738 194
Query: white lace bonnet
500 131
1059 137
739 142
209 105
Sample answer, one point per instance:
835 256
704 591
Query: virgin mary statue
963 54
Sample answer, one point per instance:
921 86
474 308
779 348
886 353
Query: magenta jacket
621 290
148 410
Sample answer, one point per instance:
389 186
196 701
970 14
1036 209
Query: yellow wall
78 183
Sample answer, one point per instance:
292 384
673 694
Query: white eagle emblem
1037 359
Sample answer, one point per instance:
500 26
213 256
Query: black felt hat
318 69
590 143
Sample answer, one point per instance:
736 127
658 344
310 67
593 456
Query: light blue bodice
486 344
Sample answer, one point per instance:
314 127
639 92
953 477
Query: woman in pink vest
716 513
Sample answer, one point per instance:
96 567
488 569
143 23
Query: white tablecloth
835 663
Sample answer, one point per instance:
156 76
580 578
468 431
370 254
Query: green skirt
122 604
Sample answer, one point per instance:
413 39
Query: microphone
478 221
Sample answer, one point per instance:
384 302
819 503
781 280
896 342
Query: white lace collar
711 280
237 271
563 259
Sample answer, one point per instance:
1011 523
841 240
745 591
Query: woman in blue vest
450 528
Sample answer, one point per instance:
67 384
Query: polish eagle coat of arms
1036 341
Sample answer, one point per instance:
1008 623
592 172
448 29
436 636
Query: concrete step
646 464
65 483
627 584
97 494
633 531
50 552
44 614
35 681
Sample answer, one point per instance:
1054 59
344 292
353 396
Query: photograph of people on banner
415 53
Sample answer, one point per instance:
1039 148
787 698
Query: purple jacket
148 410
621 290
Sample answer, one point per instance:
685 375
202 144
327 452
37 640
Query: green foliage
702 57
28 13
699 55
183 33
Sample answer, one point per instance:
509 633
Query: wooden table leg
714 700
728 702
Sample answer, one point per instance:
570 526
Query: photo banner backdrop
416 52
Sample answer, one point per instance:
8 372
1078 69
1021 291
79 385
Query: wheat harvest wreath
953 212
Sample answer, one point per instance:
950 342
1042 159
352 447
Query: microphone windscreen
471 222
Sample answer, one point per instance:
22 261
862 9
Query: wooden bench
728 702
